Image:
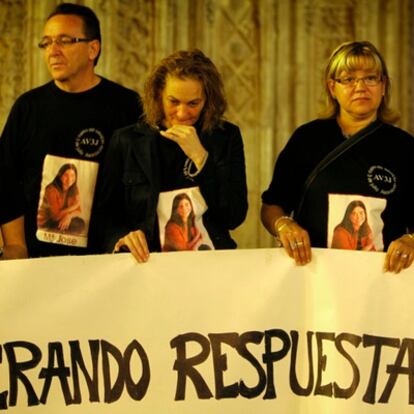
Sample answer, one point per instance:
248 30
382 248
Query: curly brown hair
183 64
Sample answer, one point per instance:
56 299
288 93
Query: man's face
69 64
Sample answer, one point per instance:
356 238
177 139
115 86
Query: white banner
206 332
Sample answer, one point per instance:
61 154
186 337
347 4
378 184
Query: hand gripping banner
211 332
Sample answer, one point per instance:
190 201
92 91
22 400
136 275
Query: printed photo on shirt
355 223
65 201
180 221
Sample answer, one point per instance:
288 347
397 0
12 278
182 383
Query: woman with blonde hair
352 149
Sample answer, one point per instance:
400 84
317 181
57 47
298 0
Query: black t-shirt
47 121
377 170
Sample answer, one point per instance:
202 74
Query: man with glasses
69 120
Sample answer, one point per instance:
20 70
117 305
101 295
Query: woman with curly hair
182 144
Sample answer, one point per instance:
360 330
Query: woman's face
68 178
182 101
184 209
358 101
357 217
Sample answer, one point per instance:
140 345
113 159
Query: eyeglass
61 41
351 81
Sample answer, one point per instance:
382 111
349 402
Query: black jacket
131 184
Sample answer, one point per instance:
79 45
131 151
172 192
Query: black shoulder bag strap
333 155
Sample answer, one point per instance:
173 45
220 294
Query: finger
400 264
294 249
119 246
169 135
387 261
137 249
404 262
177 132
136 243
394 259
181 141
398 260
304 252
182 134
391 257
139 246
143 245
297 255
307 247
301 252
297 246
409 261
182 130
400 254
286 246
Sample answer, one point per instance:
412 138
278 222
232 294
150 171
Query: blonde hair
192 64
351 56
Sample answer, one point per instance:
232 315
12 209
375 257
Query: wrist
13 251
190 165
200 160
280 223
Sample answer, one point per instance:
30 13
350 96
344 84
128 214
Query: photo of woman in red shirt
354 232
181 232
60 209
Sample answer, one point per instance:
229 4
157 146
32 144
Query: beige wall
271 54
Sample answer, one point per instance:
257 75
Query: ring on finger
404 256
397 252
299 243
